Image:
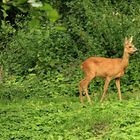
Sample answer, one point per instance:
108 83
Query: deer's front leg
117 80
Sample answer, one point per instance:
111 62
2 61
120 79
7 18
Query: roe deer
108 68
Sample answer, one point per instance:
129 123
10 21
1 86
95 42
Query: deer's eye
130 47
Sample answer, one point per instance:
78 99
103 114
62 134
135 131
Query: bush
53 51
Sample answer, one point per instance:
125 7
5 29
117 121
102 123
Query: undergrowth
64 118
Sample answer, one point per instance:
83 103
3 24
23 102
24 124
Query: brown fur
107 68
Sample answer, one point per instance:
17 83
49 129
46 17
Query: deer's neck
125 59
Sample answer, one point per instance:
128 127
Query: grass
64 118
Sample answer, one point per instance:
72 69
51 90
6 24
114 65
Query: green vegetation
42 44
64 118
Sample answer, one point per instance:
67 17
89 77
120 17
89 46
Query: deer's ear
131 39
126 40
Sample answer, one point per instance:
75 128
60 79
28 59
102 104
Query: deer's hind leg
107 81
83 86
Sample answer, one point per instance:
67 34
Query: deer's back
103 67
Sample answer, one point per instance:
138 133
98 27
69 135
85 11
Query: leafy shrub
53 51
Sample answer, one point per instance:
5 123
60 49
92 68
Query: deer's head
128 46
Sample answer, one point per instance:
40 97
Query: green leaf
17 2
34 23
4 13
60 28
46 7
5 7
24 10
52 13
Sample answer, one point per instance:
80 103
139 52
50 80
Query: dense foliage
51 41
42 45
